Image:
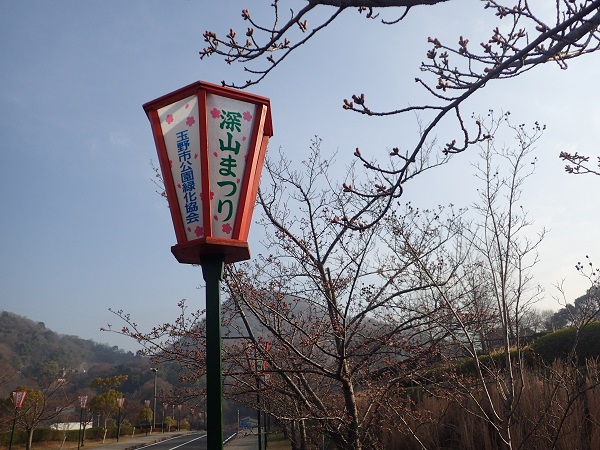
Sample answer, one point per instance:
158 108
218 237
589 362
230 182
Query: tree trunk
292 435
352 411
29 439
302 432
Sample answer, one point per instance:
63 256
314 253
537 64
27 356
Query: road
187 441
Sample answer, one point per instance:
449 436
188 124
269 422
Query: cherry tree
338 306
41 406
505 250
494 295
526 35
580 164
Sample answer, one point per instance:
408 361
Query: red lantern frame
17 398
194 251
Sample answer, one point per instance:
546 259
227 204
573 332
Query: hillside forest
58 370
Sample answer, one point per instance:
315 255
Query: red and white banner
18 397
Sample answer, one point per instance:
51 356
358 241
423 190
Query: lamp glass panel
230 126
180 127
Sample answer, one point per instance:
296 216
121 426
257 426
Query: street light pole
258 413
17 399
120 403
147 405
212 271
218 136
12 433
155 370
82 404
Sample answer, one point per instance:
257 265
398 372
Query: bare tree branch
524 41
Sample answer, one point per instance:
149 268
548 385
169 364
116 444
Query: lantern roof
191 89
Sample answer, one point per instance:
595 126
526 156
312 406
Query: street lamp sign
18 397
120 404
82 404
211 143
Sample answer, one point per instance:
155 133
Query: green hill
29 353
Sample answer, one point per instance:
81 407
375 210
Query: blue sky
82 229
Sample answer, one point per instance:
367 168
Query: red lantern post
82 405
165 407
257 365
147 405
211 143
18 397
120 404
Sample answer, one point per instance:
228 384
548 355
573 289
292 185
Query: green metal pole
119 425
212 271
83 430
12 433
155 370
80 423
260 447
85 416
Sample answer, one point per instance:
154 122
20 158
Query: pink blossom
170 119
199 231
187 105
243 138
212 195
179 186
190 121
195 155
227 228
216 155
215 217
247 116
215 113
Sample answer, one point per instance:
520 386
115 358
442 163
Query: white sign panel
230 125
179 123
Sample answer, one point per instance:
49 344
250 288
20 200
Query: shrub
558 345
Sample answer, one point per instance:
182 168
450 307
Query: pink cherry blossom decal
179 186
190 121
187 105
170 163
195 155
243 138
199 231
189 229
247 116
170 119
226 228
238 181
215 217
215 113
216 154
212 195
